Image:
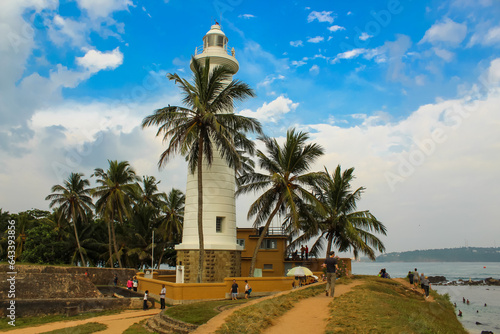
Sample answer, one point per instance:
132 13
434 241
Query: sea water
488 316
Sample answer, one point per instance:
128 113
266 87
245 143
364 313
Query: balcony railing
229 51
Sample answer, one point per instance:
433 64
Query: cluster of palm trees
125 203
312 204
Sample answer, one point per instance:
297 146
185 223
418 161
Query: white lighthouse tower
222 254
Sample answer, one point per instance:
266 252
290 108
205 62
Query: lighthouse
222 254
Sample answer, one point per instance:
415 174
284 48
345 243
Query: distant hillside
464 254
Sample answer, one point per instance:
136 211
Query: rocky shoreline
441 280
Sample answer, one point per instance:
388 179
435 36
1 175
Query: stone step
162 324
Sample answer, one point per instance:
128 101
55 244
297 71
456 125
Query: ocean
488 316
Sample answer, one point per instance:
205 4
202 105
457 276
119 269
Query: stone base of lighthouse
218 264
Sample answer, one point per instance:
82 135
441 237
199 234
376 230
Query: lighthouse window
215 40
218 224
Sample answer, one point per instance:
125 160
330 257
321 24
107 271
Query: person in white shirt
145 306
162 296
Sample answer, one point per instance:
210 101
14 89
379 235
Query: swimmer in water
459 313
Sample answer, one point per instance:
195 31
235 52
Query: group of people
383 273
133 283
421 280
304 253
235 290
163 292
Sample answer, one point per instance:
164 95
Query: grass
384 306
35 321
254 318
200 313
87 328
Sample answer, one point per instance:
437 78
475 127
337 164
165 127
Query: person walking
331 265
163 292
416 278
234 290
248 289
145 304
130 284
115 280
302 251
426 284
422 277
410 277
307 252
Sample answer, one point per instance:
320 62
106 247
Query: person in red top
307 252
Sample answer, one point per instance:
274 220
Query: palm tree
205 124
341 225
75 201
171 221
285 183
114 193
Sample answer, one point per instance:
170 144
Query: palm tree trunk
115 245
261 237
78 239
200 212
109 246
329 245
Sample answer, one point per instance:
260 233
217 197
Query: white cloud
335 28
246 16
314 70
316 39
296 43
269 80
493 73
447 32
64 30
444 54
298 63
95 60
364 36
323 16
349 54
490 37
103 8
349 13
272 111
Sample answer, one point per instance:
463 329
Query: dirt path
314 309
117 323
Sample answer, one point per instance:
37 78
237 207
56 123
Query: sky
406 92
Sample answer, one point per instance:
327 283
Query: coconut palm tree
340 224
171 221
115 193
206 124
285 183
74 199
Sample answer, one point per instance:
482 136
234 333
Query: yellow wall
178 293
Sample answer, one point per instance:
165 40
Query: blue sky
407 92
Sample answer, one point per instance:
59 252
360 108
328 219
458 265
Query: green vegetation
23 322
200 313
255 318
285 182
90 327
384 306
463 254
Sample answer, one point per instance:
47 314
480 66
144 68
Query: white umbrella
299 271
